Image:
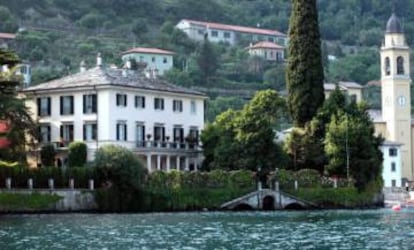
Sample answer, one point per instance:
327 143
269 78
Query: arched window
387 66
400 65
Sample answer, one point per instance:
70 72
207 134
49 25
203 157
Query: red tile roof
7 36
266 45
149 51
241 29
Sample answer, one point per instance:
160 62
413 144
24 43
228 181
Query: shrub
77 154
47 155
124 176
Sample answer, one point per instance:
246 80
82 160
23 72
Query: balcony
167 146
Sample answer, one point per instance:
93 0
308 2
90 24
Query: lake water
339 229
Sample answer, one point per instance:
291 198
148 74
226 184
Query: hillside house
231 34
267 50
156 60
158 121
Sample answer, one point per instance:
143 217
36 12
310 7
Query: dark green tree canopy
304 75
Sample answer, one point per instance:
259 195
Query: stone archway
294 206
242 207
268 203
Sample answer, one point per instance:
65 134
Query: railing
168 145
51 184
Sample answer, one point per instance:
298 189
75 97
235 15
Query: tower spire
394 6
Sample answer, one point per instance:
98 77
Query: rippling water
351 229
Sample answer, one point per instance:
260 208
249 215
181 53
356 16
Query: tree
351 135
245 139
123 174
14 112
206 60
77 154
304 74
47 155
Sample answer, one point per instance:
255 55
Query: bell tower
395 83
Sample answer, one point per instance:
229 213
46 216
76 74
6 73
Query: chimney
155 73
125 70
148 73
99 60
82 66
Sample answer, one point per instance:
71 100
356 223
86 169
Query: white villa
157 60
158 121
231 34
267 50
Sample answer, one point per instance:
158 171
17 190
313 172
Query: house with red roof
6 39
231 34
268 50
157 60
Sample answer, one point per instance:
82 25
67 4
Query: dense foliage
121 174
47 155
304 74
244 139
13 111
77 154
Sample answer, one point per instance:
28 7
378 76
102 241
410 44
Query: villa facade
158 121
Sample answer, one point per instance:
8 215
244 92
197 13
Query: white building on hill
158 60
231 34
159 121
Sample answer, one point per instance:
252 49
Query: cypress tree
304 74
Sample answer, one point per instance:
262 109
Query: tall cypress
304 74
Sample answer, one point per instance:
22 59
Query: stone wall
72 199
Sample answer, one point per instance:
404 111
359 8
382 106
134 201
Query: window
165 60
400 65
153 59
392 152
392 166
226 35
193 134
158 103
141 58
393 183
89 104
279 56
90 131
281 41
200 32
121 131
43 106
177 106
193 107
214 33
66 105
140 134
140 101
121 100
387 67
44 132
66 133
178 134
159 133
270 39
353 98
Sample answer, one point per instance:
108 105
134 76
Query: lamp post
347 150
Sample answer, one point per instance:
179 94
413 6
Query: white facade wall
108 114
162 62
388 174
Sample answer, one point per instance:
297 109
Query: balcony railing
168 145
